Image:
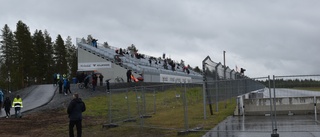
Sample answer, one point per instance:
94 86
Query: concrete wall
239 111
151 77
284 105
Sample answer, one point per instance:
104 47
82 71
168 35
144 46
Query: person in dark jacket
75 109
101 79
94 81
7 106
60 82
129 73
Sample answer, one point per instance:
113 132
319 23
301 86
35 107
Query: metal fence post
110 125
110 115
217 88
271 113
143 90
315 107
185 104
143 97
204 88
275 109
128 105
154 102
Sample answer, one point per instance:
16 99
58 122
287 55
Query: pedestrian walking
68 87
75 109
17 104
7 106
65 82
60 82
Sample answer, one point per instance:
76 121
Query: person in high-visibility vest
17 104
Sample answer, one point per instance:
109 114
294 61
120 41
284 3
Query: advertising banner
94 65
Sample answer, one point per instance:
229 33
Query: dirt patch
50 120
32 125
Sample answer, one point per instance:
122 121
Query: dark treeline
27 58
292 83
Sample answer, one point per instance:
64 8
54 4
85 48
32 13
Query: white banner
94 65
174 79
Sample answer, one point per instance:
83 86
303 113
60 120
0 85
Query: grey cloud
264 36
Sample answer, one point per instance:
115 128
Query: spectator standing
150 62
120 52
129 73
7 106
86 81
68 86
94 81
17 104
75 109
60 83
94 43
55 79
58 77
108 85
101 79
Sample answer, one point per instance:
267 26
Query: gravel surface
62 101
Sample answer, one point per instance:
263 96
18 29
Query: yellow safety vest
17 102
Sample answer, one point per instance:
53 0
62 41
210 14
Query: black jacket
7 104
75 109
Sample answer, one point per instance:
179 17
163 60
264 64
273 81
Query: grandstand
113 66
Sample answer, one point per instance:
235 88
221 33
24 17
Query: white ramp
34 97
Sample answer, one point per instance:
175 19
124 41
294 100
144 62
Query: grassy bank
309 88
166 108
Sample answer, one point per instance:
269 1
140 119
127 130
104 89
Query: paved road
260 126
34 97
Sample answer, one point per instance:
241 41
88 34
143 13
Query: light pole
225 76
224 64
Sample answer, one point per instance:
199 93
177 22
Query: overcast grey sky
266 37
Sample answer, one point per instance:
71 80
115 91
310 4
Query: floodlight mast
205 88
224 64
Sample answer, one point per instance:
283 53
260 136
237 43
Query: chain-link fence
287 106
133 106
180 107
266 102
292 96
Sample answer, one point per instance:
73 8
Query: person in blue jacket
65 82
1 99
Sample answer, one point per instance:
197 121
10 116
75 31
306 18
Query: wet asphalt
261 126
